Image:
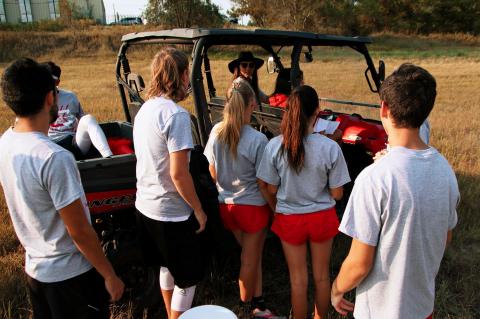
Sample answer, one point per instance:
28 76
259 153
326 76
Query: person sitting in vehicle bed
73 129
244 68
283 88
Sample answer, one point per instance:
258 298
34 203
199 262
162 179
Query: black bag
217 242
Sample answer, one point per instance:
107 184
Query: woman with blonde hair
306 172
169 211
234 150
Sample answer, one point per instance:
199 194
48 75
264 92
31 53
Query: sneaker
259 314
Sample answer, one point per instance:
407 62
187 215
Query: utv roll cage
130 85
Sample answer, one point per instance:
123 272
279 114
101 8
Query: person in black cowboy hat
245 68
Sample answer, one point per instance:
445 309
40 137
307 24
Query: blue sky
136 7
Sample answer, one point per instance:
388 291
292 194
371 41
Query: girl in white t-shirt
234 151
170 214
305 171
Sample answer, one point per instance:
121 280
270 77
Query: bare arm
213 172
449 238
87 243
336 193
180 174
270 197
354 269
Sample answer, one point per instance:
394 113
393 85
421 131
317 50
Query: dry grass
455 128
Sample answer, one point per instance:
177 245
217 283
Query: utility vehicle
110 183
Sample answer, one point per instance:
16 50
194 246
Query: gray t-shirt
237 177
403 204
424 132
69 112
308 191
161 127
39 178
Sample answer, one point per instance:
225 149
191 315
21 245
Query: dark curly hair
410 93
25 84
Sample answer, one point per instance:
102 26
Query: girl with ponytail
234 151
305 171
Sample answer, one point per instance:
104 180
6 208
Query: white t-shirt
308 191
403 204
39 178
424 132
69 112
237 177
161 127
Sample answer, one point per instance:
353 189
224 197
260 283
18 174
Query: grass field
455 125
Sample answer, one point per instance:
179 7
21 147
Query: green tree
259 11
184 13
364 16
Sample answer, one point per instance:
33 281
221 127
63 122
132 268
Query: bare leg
320 265
167 285
252 245
167 299
296 256
176 314
259 284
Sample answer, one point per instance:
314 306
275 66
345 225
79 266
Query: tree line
333 16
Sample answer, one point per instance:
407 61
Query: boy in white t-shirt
401 211
47 205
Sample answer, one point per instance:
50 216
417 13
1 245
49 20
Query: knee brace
182 298
166 279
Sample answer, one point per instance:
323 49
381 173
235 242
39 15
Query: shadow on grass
457 282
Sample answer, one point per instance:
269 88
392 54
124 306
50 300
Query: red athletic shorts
247 218
430 317
297 229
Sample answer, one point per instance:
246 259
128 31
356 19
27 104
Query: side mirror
381 70
271 65
307 57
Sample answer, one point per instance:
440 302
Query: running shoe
265 314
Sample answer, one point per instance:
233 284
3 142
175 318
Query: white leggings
182 298
88 133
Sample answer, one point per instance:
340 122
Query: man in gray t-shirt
401 211
47 205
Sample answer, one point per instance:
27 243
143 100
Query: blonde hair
240 96
168 66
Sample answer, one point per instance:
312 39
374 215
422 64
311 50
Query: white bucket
208 312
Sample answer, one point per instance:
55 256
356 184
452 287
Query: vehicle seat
358 131
135 81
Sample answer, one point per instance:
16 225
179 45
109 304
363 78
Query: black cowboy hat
245 56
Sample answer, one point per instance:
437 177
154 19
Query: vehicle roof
241 36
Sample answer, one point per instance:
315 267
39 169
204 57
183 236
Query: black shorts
80 297
173 245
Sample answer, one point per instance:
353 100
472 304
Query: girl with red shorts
305 172
234 151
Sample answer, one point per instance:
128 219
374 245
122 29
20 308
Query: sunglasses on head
247 65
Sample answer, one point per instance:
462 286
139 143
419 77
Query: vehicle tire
141 280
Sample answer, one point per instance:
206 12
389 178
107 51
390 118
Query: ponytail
230 129
302 104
